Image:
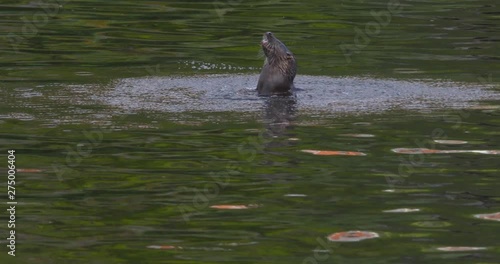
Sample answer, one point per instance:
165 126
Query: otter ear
289 55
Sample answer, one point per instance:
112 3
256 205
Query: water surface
135 124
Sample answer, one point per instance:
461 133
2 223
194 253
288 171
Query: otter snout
268 36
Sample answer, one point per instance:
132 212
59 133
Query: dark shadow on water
279 114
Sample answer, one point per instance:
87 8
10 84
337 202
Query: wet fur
279 68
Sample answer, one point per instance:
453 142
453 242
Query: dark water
133 122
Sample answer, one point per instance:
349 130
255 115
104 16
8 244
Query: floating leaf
460 248
352 236
402 210
333 152
492 216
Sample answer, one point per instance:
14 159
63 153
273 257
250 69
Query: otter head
274 49
278 55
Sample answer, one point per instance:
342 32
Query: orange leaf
229 206
334 152
351 236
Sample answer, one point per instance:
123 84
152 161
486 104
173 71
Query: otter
279 68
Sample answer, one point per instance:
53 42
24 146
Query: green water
102 184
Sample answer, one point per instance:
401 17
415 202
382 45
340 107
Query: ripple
327 95
450 142
437 151
232 206
163 247
453 249
295 195
358 135
415 151
402 210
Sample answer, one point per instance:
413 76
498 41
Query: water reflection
279 114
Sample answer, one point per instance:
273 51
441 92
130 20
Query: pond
138 137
